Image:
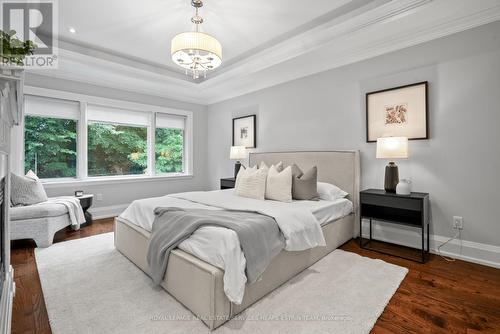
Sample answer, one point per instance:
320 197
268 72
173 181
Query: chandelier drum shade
197 52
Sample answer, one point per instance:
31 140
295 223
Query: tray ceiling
126 44
143 30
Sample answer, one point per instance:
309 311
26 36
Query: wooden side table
86 202
409 210
227 183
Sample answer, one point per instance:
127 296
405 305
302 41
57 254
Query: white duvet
300 222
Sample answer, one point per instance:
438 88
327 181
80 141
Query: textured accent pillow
242 170
279 184
279 166
26 190
304 185
330 192
251 183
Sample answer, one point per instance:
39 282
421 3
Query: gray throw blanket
260 237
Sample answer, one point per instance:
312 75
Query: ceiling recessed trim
316 38
218 93
360 37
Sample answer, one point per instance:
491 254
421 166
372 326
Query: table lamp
237 153
392 148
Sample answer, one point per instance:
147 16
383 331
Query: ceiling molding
343 13
367 32
96 71
116 57
316 38
370 49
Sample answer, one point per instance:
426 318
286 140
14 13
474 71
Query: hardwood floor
29 313
436 297
440 297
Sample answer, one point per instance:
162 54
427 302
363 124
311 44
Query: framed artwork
398 112
244 131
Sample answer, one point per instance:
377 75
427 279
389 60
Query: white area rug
89 287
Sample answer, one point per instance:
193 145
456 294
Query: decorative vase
403 187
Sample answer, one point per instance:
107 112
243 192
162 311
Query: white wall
459 166
118 195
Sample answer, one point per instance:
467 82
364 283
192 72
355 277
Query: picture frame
244 131
398 112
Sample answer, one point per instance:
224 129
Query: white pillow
26 190
31 174
279 165
251 183
279 184
241 171
330 192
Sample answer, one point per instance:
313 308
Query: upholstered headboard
341 168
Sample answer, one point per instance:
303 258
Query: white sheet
220 246
326 211
300 228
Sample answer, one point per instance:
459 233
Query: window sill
50 184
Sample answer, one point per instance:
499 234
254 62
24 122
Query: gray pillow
304 185
26 190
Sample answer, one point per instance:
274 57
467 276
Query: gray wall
124 193
459 165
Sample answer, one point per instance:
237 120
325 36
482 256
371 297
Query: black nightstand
410 210
86 202
227 183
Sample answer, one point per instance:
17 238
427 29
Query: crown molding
317 37
116 57
348 10
366 32
88 69
353 49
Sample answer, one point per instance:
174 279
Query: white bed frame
199 285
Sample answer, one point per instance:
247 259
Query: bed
199 285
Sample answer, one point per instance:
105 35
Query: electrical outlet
458 223
98 197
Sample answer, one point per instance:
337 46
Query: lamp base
237 167
391 177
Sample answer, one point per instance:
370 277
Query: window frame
148 130
153 145
68 179
82 176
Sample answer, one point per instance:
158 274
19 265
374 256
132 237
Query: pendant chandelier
195 51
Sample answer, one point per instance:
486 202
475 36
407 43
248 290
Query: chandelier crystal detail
197 52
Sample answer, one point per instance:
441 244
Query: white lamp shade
238 153
187 46
392 148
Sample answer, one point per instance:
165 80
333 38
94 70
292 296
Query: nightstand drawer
392 202
227 183
385 207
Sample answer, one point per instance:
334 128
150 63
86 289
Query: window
85 140
116 149
169 143
50 146
117 141
50 137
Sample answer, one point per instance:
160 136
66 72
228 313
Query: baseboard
488 255
107 211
